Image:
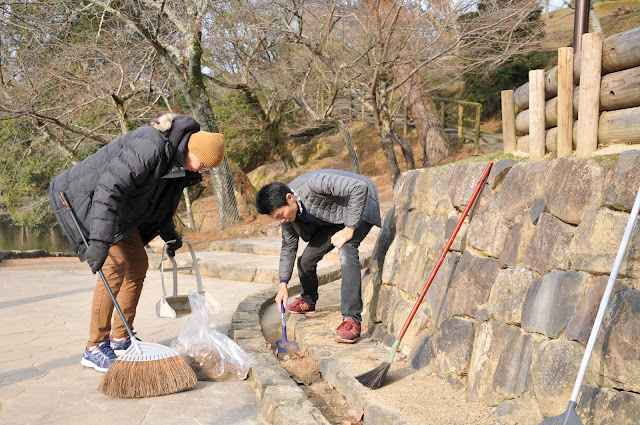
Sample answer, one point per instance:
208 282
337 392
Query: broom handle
444 252
622 249
104 279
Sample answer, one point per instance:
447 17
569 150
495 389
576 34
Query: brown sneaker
300 306
348 331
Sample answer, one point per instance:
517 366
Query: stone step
239 266
271 246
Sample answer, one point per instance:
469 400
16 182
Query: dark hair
271 197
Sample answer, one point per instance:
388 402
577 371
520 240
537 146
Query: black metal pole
580 23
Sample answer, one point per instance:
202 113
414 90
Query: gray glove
96 254
172 247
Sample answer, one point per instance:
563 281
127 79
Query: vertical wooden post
536 114
460 123
442 113
362 113
476 142
565 101
350 105
589 107
508 121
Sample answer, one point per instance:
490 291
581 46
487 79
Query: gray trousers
351 288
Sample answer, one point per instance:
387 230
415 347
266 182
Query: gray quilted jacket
335 196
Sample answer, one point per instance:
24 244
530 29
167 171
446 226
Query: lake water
22 239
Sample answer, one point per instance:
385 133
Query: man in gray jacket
124 195
327 209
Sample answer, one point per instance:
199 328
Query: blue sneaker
119 347
100 358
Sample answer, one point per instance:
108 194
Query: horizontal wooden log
550 116
522 144
620 90
621 126
551 141
521 94
621 51
522 122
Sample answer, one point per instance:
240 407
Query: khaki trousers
125 269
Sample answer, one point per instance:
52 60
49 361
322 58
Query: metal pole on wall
580 23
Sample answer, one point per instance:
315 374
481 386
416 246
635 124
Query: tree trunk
277 141
221 178
432 136
351 146
407 150
386 140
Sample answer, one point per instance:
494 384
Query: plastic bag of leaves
212 355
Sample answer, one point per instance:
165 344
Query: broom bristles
139 379
374 378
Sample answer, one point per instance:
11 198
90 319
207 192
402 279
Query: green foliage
26 168
485 87
246 144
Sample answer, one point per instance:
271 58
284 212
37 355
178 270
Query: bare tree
174 30
388 46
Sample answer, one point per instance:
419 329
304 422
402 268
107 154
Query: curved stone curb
282 401
33 253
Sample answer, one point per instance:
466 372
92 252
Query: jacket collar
177 136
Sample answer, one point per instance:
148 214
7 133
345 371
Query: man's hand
172 247
282 296
96 254
342 237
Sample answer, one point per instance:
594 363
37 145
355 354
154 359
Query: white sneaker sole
86 363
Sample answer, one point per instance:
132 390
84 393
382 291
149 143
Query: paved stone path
44 312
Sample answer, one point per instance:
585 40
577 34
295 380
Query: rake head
569 417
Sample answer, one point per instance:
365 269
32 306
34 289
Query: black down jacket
133 182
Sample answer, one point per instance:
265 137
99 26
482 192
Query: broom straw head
374 378
139 379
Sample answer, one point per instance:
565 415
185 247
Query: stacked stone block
511 308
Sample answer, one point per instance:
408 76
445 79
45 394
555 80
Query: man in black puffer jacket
124 195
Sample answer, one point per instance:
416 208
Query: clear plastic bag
212 355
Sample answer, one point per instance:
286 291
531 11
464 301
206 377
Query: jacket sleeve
353 191
288 252
133 164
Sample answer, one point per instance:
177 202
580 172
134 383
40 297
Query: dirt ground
423 398
304 370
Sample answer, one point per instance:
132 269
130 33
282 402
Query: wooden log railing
609 74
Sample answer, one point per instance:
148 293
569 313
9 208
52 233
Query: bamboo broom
375 378
146 369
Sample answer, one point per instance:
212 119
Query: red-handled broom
375 378
146 369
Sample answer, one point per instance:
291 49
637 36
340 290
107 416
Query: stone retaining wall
511 308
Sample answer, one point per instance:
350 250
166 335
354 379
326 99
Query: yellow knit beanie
208 147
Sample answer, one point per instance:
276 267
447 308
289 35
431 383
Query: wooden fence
591 99
345 108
